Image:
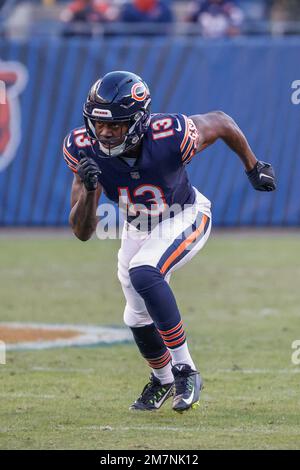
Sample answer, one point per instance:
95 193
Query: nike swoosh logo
157 404
266 176
179 128
188 401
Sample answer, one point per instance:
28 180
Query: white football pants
143 248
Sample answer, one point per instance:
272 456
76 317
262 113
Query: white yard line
242 429
263 429
62 369
257 371
27 395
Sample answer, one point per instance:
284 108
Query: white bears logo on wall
13 78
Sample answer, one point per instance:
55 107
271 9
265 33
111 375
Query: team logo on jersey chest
135 175
13 78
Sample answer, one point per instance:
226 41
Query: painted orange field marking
20 335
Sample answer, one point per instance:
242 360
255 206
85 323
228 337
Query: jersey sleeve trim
189 144
70 159
186 134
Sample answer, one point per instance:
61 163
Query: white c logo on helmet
139 91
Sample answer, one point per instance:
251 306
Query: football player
139 160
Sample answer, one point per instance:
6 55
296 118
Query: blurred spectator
81 13
146 11
285 10
255 10
217 18
284 17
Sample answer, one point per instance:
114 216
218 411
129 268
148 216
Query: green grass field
240 300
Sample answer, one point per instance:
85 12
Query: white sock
164 374
182 355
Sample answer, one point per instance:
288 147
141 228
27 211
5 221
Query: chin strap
118 150
112 152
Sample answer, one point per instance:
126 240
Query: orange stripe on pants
184 245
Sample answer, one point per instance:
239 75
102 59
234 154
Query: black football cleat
153 395
188 385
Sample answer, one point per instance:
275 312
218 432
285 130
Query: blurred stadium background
242 311
247 70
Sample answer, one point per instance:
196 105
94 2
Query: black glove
262 177
88 171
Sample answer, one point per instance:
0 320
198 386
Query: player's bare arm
84 204
218 125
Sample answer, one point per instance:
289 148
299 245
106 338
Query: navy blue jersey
158 178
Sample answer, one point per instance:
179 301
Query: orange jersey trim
190 147
72 167
73 159
186 134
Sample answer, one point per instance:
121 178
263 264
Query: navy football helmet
118 97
